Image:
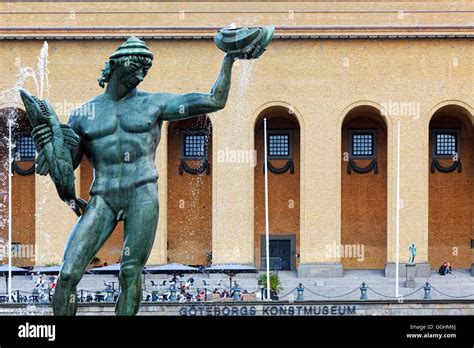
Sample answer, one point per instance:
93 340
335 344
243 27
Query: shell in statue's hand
244 43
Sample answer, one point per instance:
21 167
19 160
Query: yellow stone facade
326 59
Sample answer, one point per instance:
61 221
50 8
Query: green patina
119 131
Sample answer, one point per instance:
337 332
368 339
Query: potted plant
275 285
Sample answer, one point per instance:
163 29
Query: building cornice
322 32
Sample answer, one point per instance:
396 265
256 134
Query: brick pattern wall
189 201
23 201
23 214
450 200
283 189
364 198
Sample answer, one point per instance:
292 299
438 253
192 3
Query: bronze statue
412 250
120 140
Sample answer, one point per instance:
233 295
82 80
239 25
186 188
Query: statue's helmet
132 47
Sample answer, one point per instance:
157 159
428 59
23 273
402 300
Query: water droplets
11 96
11 99
43 70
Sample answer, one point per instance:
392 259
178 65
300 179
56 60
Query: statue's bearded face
131 73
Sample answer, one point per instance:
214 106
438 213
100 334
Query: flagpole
9 209
267 242
397 232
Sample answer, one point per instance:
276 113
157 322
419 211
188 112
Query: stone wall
189 199
310 68
364 197
268 309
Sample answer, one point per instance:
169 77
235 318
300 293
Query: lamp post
10 162
427 289
267 235
363 292
300 290
236 290
397 215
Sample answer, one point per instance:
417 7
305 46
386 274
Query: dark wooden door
281 249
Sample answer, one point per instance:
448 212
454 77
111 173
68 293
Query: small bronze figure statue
412 250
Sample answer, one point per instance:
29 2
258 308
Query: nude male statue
120 140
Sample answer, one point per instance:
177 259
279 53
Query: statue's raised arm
243 43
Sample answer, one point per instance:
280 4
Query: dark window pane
26 148
194 145
446 144
279 145
362 144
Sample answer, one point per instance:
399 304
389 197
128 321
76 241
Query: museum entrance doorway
282 252
280 249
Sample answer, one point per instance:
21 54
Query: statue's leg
140 227
88 234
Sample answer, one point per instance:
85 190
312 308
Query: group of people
46 282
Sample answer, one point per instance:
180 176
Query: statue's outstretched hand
255 51
250 52
244 43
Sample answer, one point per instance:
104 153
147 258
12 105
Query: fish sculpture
55 156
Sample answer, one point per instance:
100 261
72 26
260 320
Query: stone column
320 196
232 184
159 252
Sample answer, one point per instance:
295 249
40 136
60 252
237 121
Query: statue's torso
120 139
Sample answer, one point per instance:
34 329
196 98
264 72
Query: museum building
356 95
